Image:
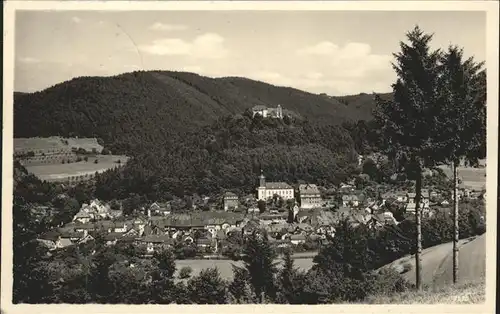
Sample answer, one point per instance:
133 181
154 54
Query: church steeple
262 179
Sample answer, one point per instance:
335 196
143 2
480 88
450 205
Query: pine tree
207 288
408 121
463 121
258 260
287 279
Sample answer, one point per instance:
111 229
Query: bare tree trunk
418 218
455 223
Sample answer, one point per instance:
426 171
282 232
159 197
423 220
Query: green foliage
415 104
289 281
207 288
185 272
258 260
462 121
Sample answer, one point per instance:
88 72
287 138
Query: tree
408 121
289 280
258 260
462 120
370 168
240 288
261 205
162 288
207 288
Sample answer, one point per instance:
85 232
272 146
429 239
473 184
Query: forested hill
230 153
144 109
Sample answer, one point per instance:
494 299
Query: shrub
407 267
185 272
386 282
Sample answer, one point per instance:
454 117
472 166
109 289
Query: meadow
225 266
472 178
55 172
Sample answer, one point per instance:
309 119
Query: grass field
54 172
473 178
225 266
463 293
55 143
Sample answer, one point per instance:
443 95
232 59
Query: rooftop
277 185
308 189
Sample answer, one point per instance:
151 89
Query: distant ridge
155 107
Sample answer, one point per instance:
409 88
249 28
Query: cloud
322 48
206 46
76 19
353 60
168 27
28 60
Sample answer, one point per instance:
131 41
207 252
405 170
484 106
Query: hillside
437 263
142 109
230 154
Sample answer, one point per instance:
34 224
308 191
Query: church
267 190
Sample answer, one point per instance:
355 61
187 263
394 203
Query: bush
407 267
185 272
386 282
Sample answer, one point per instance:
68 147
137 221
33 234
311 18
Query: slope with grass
437 263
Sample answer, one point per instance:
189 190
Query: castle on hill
268 112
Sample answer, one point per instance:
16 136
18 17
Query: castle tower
280 112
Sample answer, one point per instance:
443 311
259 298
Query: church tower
261 189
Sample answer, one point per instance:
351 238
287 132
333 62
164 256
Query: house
155 243
297 239
51 240
96 209
85 227
112 238
273 218
230 201
82 217
267 190
350 200
205 243
160 209
401 196
425 201
309 195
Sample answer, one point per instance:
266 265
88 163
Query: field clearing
225 266
55 142
50 172
473 178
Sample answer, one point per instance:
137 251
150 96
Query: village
302 217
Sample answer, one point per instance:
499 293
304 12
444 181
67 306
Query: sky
333 52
